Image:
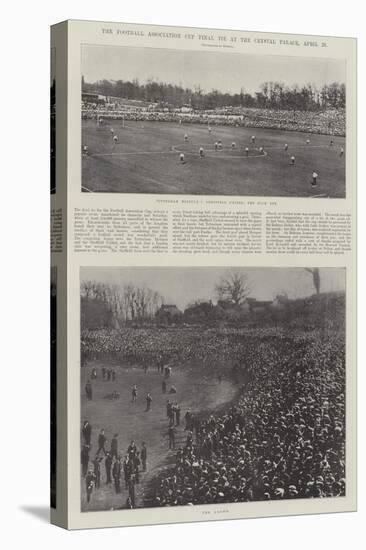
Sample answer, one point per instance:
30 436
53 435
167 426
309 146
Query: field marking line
294 147
321 195
219 152
86 189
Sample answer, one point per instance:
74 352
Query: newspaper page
210 237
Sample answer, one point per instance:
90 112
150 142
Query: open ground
146 160
196 389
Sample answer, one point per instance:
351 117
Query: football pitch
196 390
146 159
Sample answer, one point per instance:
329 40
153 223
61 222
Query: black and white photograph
211 385
212 123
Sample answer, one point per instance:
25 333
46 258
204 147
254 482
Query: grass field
131 421
146 160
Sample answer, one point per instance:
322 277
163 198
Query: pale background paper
26 278
92 33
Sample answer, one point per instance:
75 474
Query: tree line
118 304
112 305
271 95
115 305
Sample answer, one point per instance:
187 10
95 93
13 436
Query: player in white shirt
209 129
342 152
308 142
115 138
315 179
216 145
85 150
292 160
201 151
247 151
219 144
233 145
185 137
286 146
111 131
181 158
253 139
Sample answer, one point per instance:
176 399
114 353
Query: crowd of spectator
329 121
284 439
156 346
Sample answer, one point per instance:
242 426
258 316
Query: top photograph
180 122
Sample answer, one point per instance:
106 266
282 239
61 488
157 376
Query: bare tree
234 286
316 277
154 302
130 296
125 302
86 289
90 290
140 302
117 304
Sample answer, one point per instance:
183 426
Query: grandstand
326 122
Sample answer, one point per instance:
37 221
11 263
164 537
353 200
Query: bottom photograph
211 385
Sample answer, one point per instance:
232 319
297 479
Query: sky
226 72
182 285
